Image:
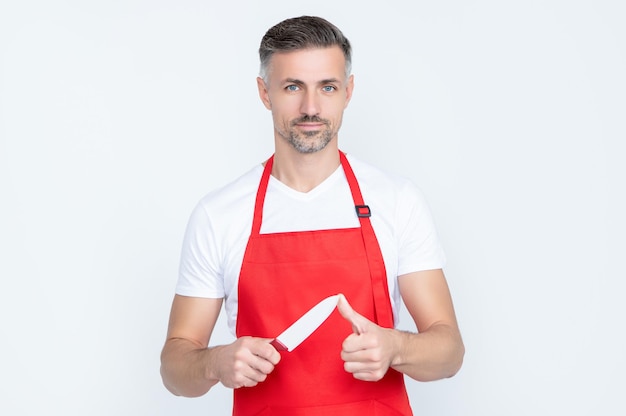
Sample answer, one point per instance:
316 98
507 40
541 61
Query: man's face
307 91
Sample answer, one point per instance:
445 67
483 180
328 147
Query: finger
358 367
250 380
362 347
243 375
266 351
261 365
365 371
352 344
359 322
251 372
368 375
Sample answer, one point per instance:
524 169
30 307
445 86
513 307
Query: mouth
310 126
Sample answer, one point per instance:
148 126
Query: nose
310 104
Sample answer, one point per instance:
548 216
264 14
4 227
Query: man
287 234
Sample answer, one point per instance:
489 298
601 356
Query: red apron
282 276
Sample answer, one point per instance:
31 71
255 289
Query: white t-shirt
219 227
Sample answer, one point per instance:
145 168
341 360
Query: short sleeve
419 247
200 273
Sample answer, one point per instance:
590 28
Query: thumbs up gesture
369 351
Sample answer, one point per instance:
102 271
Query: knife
300 330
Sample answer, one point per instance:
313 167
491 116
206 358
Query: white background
117 116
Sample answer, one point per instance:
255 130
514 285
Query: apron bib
282 276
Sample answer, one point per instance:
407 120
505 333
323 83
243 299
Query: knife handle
278 345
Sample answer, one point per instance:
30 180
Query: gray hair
303 32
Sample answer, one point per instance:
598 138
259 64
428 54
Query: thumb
358 321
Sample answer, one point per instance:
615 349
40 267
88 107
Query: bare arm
189 368
435 352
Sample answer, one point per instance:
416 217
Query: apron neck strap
378 273
260 197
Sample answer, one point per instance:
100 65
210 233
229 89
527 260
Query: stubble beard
309 141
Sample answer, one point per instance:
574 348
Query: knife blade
300 330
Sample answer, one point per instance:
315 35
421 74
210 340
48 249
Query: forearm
431 355
186 368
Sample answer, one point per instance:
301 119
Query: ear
264 93
349 89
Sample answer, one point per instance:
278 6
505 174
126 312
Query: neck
303 172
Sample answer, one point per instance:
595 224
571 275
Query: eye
292 87
328 88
